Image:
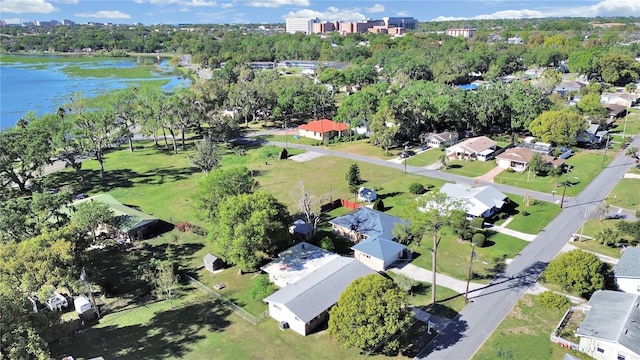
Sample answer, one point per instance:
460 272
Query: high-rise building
408 23
305 26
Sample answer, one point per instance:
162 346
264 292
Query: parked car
407 153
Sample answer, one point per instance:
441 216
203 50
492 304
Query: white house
627 271
305 304
481 201
446 138
479 148
297 262
323 129
610 329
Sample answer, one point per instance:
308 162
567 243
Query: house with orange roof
323 129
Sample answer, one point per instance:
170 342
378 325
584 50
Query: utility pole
606 146
473 255
564 189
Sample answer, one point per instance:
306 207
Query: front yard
625 194
585 167
471 169
540 214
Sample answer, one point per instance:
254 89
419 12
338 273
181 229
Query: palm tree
444 160
606 236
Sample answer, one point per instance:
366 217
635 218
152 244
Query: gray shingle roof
380 248
371 223
614 316
320 290
629 264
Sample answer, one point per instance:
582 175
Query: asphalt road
488 307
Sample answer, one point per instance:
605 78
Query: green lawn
586 166
425 158
540 214
524 334
626 194
470 169
632 126
591 228
452 253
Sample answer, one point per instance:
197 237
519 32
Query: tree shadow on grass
117 268
169 333
92 180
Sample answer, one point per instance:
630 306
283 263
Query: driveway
488 177
420 274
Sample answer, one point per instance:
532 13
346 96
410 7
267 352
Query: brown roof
525 155
477 144
323 126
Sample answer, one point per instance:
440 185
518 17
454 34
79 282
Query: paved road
466 334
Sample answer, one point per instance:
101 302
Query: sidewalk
537 289
608 259
419 274
517 234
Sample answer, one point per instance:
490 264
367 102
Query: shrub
378 205
577 271
261 288
183 227
417 188
327 244
284 154
478 239
477 222
510 170
551 300
525 213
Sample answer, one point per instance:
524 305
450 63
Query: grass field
524 334
138 72
591 228
625 194
470 168
632 126
425 158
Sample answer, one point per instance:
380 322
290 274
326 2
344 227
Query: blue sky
271 11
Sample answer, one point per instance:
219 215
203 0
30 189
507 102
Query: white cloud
105 14
26 6
70 2
193 3
402 13
603 8
376 8
331 14
226 5
274 3
184 9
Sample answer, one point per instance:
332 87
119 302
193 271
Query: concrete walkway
631 176
516 234
419 274
537 289
608 259
488 177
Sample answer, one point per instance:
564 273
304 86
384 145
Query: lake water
44 87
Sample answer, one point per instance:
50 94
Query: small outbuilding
213 263
366 194
82 304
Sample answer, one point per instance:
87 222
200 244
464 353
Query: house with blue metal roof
372 231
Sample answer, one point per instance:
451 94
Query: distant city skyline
276 11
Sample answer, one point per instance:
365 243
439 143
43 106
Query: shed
212 263
82 304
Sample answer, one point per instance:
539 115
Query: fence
233 307
348 204
557 339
